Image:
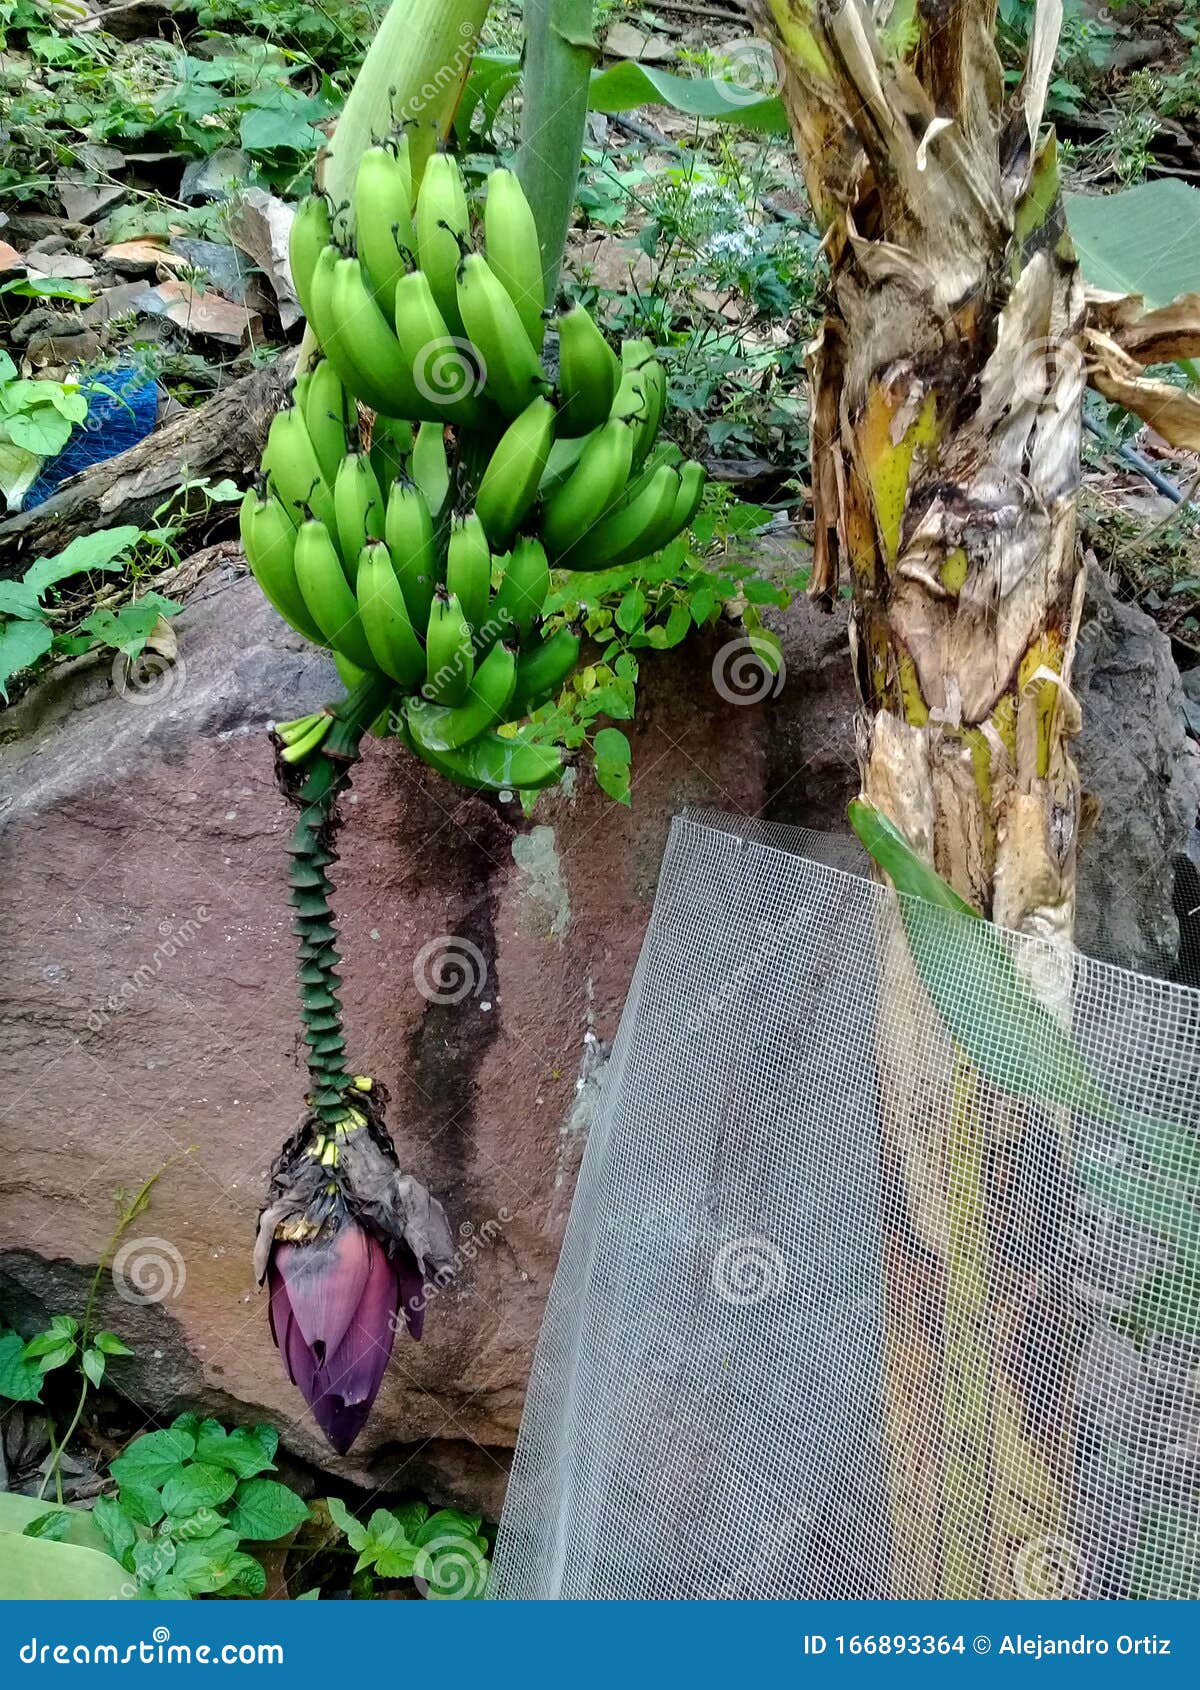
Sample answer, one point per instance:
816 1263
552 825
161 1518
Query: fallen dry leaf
260 225
1169 410
10 258
1152 337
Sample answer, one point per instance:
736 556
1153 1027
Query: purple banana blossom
346 1245
333 1315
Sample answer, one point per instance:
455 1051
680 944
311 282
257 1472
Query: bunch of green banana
423 557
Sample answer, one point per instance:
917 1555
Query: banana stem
311 850
560 54
412 78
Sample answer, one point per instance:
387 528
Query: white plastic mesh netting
851 1305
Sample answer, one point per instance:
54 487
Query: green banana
691 492
317 310
593 488
429 466
510 482
291 466
469 568
496 763
383 229
522 591
358 340
588 374
654 378
442 221
635 529
383 612
358 509
310 235
391 444
443 369
408 530
511 238
349 674
542 670
512 372
327 593
564 455
641 396
665 452
449 657
328 413
436 727
269 542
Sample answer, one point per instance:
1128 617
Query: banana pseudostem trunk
947 386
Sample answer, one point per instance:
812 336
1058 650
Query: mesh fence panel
851 1305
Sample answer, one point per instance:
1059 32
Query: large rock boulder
150 1014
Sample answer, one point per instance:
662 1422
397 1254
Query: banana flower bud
346 1243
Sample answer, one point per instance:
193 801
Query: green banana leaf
1142 240
53 1569
626 85
623 87
1024 1050
1010 1036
